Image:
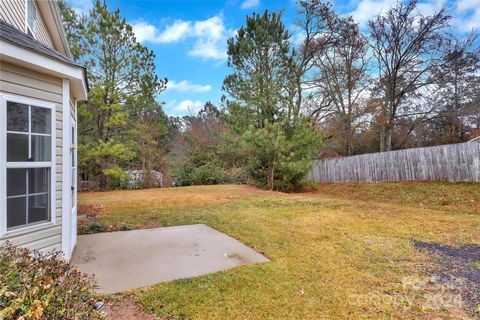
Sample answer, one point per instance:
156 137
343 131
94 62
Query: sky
189 37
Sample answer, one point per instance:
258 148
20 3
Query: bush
125 227
33 286
96 228
208 174
279 159
236 176
183 176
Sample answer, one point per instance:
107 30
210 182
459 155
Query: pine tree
73 23
278 141
123 85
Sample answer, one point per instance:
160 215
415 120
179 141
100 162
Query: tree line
331 89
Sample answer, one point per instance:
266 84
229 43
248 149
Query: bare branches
408 50
336 55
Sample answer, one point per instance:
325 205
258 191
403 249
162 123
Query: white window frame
35 26
3 166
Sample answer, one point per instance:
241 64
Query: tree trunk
382 138
389 137
271 178
348 136
102 183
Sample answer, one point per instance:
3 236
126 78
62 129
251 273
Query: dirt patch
125 308
458 269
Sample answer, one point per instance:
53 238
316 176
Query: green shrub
208 174
279 159
205 174
125 227
33 286
183 176
96 228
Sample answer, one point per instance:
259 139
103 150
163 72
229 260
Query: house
136 178
40 85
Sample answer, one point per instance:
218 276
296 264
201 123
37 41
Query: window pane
38 208
16 182
17 117
32 15
38 180
17 147
41 121
16 212
41 148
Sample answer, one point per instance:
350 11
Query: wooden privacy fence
452 162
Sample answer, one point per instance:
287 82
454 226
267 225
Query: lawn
338 251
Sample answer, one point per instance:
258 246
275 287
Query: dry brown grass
340 252
177 198
452 197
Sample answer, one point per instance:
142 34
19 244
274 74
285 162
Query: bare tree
333 63
150 133
459 83
341 75
316 25
407 47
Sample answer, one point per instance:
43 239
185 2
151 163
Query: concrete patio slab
127 260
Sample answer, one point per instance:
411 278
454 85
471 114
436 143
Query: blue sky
189 37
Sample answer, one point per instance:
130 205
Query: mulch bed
461 264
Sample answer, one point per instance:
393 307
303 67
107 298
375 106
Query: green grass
339 252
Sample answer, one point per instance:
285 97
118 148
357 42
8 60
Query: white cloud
175 32
465 5
81 6
248 4
210 36
186 106
186 86
468 15
470 22
172 33
144 31
366 9
430 7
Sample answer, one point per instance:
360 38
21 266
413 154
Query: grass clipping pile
33 286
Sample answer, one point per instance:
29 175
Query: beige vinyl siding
31 84
13 12
41 34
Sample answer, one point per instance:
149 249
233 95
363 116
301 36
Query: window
28 173
31 18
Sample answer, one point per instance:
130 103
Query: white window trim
34 34
3 166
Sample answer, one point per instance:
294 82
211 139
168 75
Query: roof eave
51 13
10 52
